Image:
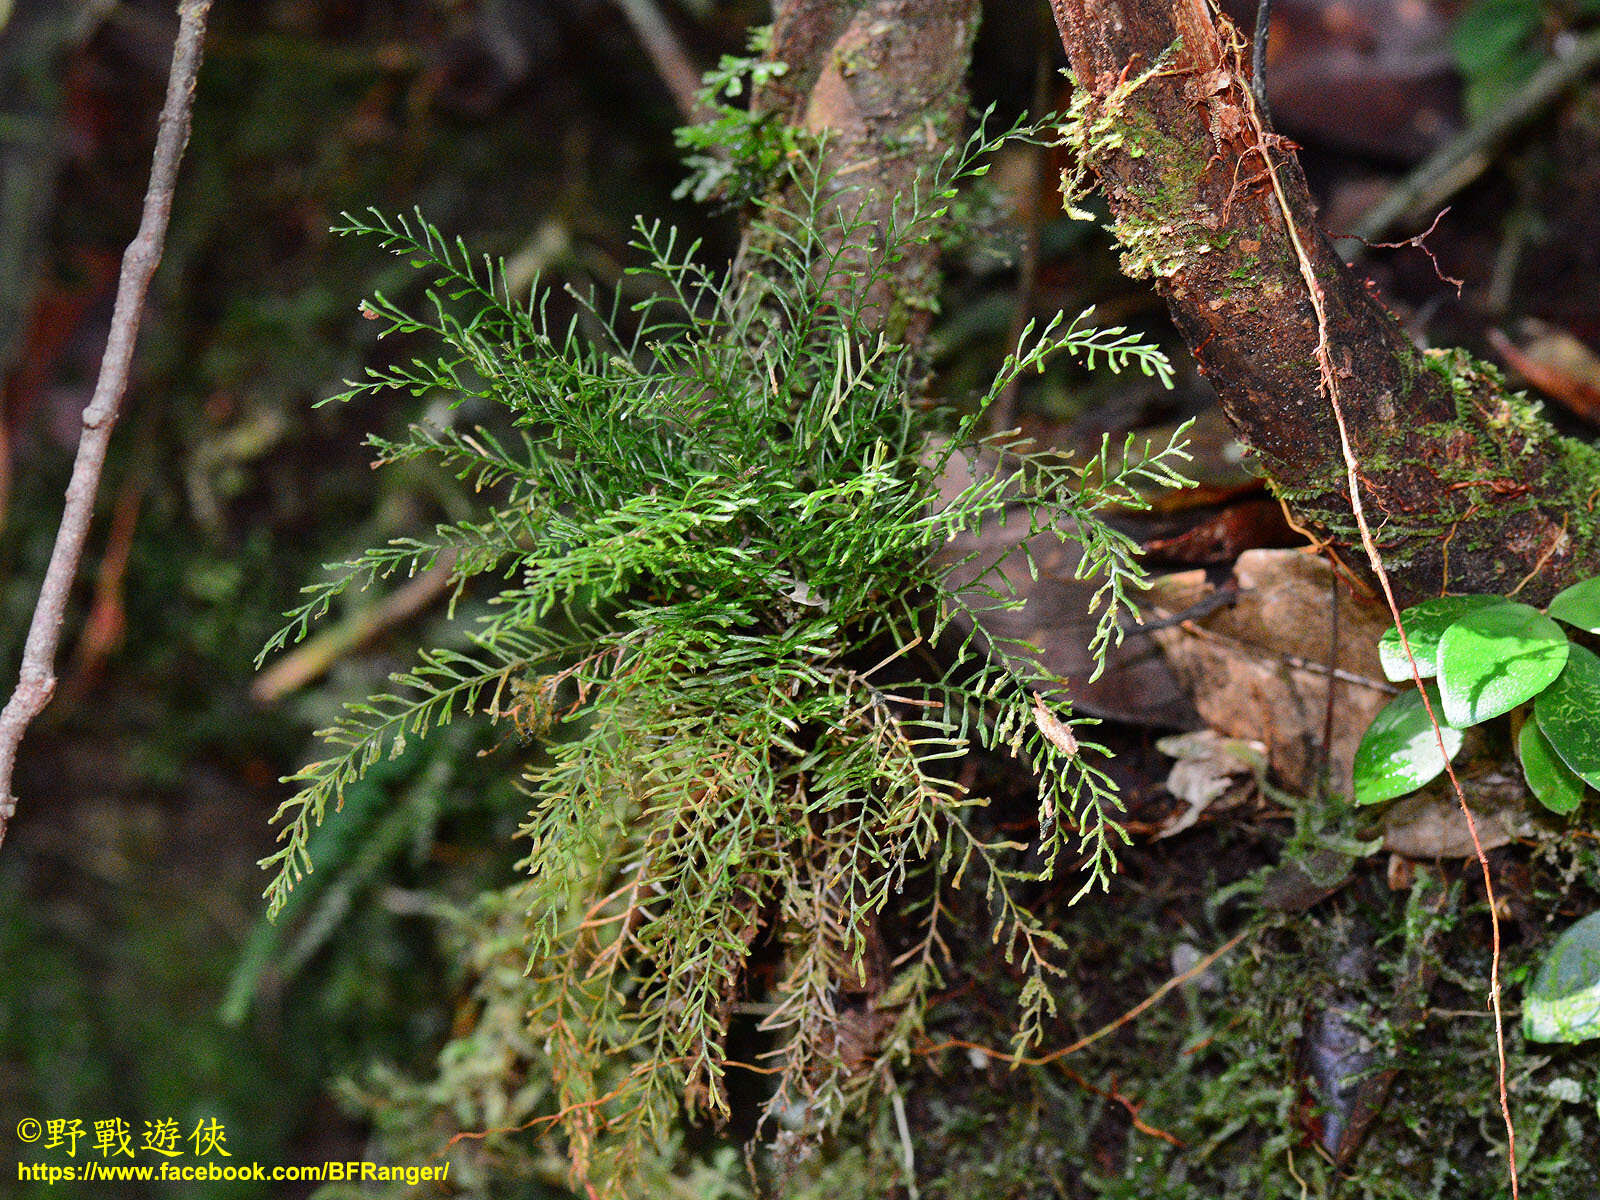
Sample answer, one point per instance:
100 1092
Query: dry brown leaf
1431 825
1210 769
1137 685
1558 364
1057 732
1261 669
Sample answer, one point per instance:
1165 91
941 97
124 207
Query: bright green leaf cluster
1489 656
712 539
1400 751
733 153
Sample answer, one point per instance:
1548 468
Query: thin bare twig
1420 242
1153 998
1464 158
313 659
1116 1097
666 52
36 680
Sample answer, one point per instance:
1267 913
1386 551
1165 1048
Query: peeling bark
885 81
1467 488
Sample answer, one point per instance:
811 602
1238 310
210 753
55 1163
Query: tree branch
37 680
885 81
666 53
1470 490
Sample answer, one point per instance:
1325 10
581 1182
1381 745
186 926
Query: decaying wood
1468 489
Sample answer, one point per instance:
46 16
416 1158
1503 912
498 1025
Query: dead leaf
1431 825
1056 731
1371 76
1210 768
1222 536
1261 668
1137 685
1558 364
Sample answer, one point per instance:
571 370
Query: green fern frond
712 530
443 683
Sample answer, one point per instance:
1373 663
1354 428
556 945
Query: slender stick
1462 159
666 52
37 679
313 659
1330 387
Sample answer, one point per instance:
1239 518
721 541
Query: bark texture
885 82
1466 488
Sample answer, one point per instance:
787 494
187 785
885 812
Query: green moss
1220 1065
1507 442
1162 235
1513 435
857 59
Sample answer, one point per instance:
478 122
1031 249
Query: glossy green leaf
1425 625
1563 1002
1495 658
1568 713
1579 605
1400 751
1555 784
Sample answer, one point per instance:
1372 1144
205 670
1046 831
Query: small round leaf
1425 625
1555 784
1563 1002
1495 658
1579 605
1400 752
1569 715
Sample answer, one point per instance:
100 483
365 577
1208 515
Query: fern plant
732 152
720 610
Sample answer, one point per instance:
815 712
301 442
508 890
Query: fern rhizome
723 615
